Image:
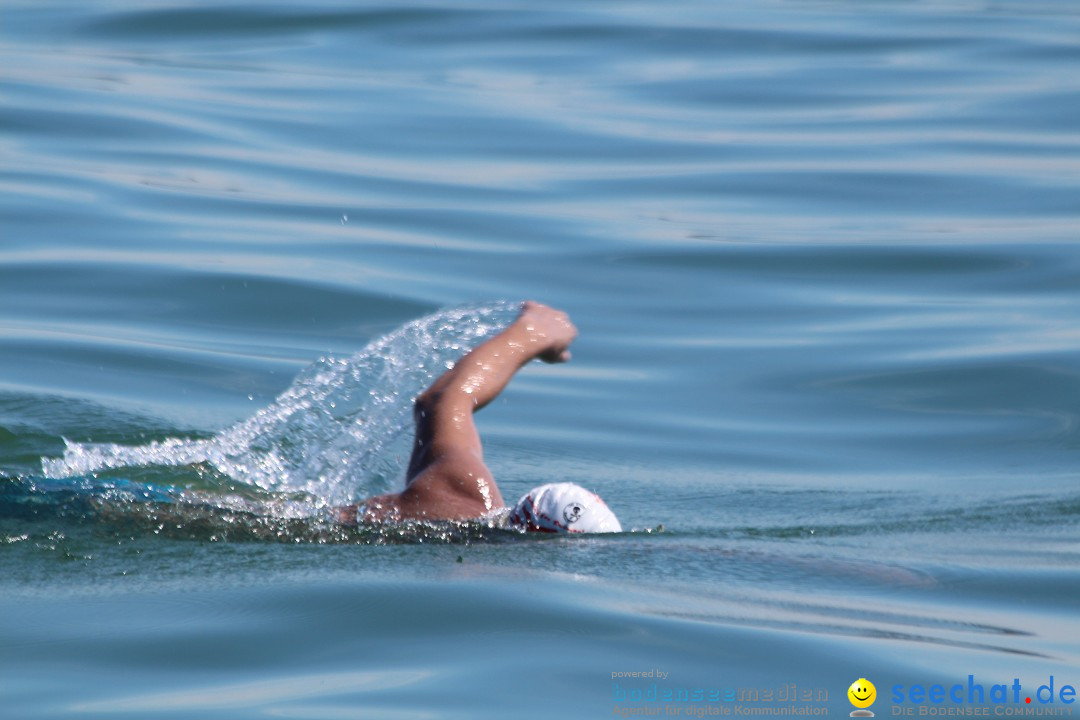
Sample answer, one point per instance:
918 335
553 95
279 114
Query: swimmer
447 478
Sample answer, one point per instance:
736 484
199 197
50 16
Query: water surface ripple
823 259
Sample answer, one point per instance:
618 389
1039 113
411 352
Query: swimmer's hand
549 331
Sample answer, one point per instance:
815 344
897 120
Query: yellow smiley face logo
862 693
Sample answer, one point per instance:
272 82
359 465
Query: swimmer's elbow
437 401
428 404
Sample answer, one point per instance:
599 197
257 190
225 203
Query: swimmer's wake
339 432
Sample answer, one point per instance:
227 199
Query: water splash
48 513
339 432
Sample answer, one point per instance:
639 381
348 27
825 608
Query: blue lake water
823 257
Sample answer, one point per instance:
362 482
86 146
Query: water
823 260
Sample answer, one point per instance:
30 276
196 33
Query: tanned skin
447 478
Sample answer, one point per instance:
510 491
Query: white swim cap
563 508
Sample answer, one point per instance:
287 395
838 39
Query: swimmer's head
563 508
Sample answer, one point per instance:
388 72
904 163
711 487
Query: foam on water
339 432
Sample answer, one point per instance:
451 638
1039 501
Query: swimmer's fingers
549 330
555 356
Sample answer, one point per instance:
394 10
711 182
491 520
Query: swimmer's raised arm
447 478
444 423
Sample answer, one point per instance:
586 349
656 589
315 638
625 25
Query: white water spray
340 431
